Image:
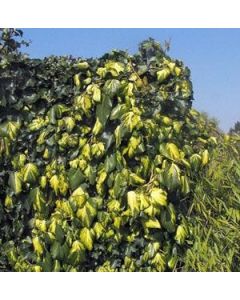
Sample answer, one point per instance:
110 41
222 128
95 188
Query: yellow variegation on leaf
15 182
158 197
76 79
86 237
37 245
54 183
152 223
181 234
205 157
30 173
133 202
163 74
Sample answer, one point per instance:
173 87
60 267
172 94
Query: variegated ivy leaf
133 202
152 223
114 68
30 173
19 161
172 177
86 237
96 93
130 120
15 182
181 234
86 214
83 103
37 245
158 197
195 161
170 150
79 197
159 262
37 198
37 124
8 202
134 179
76 79
98 229
205 157
69 123
9 129
118 111
54 183
168 218
185 185
163 74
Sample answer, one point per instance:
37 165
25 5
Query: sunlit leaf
86 237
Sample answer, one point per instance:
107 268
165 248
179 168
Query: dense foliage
100 161
214 215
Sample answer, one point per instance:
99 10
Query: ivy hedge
98 160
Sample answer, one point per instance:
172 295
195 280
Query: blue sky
213 55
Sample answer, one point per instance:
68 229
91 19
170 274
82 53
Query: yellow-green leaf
79 197
41 225
43 182
54 183
114 68
83 65
30 173
135 179
195 161
76 79
144 201
15 182
163 74
36 124
98 229
159 197
205 157
37 198
170 150
159 262
185 185
86 152
86 214
86 237
9 129
152 223
96 93
37 245
84 103
8 202
181 234
172 177
133 202
69 123
97 127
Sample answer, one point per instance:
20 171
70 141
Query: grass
214 214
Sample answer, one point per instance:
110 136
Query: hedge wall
98 159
